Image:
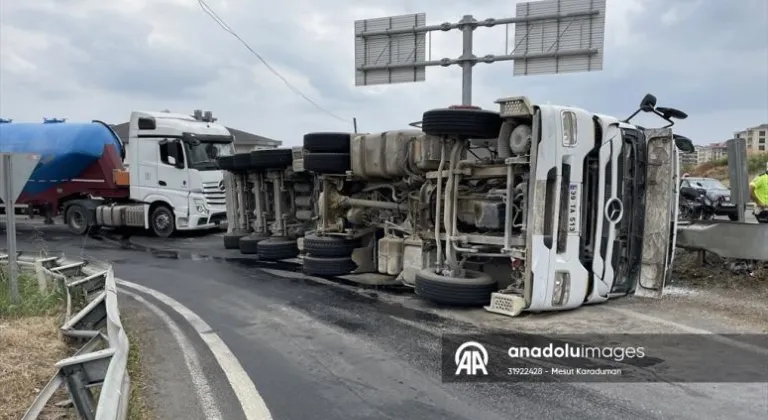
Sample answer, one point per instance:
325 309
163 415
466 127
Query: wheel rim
162 222
77 220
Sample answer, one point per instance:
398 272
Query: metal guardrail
103 360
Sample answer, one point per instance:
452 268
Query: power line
210 12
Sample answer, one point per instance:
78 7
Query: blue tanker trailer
77 160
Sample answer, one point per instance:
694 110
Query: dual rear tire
329 255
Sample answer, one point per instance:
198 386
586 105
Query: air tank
65 149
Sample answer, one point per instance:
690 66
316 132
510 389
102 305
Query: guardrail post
738 175
74 376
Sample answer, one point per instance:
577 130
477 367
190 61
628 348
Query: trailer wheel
327 163
327 142
241 162
271 159
232 240
226 163
329 246
76 219
462 122
323 266
162 221
249 244
277 248
473 290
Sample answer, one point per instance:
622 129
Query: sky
97 59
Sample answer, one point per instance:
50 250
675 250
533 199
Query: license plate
574 202
728 205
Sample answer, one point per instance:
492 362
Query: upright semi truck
163 178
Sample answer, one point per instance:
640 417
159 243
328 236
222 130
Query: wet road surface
321 352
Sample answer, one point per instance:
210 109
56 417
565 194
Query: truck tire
321 266
327 163
473 290
271 159
232 240
76 218
249 244
468 123
226 163
241 162
329 246
277 248
162 222
327 142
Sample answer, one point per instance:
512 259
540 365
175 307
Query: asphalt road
316 351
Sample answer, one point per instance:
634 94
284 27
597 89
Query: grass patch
29 348
31 301
138 409
29 344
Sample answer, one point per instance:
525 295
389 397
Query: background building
755 137
244 141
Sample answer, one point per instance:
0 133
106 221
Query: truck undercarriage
530 208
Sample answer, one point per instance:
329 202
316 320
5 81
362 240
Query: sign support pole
467 59
10 212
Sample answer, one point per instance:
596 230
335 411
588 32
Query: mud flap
660 213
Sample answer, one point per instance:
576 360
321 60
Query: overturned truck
532 208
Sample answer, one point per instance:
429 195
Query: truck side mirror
684 144
648 103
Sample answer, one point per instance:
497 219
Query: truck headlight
569 129
561 289
200 206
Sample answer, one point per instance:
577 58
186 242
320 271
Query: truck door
660 212
172 176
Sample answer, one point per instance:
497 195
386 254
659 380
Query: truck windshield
202 156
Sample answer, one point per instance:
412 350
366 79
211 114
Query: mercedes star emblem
221 185
613 210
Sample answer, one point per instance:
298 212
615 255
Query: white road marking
253 405
690 330
202 387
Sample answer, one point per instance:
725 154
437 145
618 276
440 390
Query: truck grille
215 196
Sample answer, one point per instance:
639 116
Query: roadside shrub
32 302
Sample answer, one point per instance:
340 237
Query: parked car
715 198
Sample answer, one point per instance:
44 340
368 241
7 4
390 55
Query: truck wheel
249 244
473 290
327 142
328 266
733 217
329 246
77 219
232 240
277 248
241 162
271 159
162 221
462 122
327 163
226 163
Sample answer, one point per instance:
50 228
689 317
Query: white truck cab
172 163
603 207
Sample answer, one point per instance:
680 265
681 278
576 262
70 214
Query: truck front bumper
202 221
